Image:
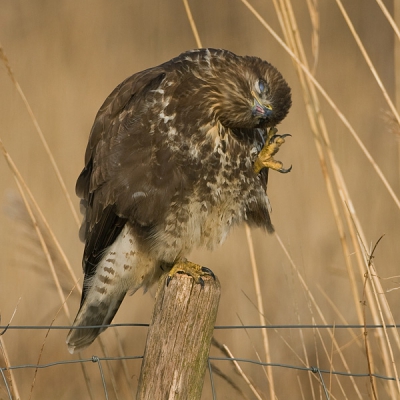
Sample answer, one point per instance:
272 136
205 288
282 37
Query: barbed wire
99 360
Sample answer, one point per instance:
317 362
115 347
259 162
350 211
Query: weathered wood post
179 338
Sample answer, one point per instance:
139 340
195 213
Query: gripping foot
194 270
265 158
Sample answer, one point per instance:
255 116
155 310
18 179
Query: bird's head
248 92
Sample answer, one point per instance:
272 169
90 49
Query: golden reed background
68 56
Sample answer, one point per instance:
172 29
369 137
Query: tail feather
122 268
92 314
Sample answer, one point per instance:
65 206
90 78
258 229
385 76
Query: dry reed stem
358 238
356 338
389 18
304 363
371 273
260 306
314 16
300 387
321 130
241 372
13 384
305 352
349 343
316 306
317 125
348 204
368 60
124 362
304 349
316 353
395 28
192 24
110 368
341 188
43 219
351 216
40 133
220 347
329 100
346 199
367 351
21 184
330 359
43 345
377 303
315 83
86 379
39 233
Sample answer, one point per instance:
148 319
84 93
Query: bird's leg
265 158
196 271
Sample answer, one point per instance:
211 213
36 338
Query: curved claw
194 270
285 170
273 138
208 272
169 277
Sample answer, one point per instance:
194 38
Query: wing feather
126 167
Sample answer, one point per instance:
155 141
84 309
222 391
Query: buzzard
177 155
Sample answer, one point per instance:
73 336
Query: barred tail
122 268
92 313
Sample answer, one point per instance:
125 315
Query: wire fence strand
217 327
320 372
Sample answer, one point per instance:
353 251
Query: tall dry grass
328 263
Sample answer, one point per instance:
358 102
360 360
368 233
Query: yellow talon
265 158
196 271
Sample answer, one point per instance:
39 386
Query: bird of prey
178 154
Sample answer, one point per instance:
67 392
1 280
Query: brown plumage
169 167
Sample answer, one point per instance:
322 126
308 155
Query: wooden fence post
179 338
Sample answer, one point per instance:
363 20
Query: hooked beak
259 109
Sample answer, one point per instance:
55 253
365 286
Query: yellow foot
265 158
196 271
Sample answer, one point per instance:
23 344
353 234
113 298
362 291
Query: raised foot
194 270
265 158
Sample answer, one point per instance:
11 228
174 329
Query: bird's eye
262 85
